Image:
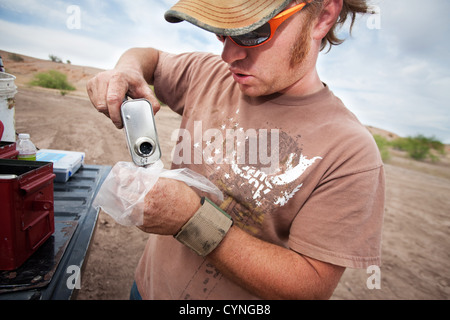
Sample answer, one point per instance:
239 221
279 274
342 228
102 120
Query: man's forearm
272 272
143 60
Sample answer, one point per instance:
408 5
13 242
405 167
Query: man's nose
232 52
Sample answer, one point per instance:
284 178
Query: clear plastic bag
123 192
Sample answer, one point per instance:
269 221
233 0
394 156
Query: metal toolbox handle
37 184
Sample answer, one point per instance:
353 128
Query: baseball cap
226 17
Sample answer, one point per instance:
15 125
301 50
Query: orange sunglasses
264 33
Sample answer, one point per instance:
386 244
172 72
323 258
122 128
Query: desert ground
416 243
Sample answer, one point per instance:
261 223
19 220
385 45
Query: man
302 179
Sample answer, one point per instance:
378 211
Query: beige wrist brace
206 229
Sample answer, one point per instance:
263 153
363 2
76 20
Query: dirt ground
416 244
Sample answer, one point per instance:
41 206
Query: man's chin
253 92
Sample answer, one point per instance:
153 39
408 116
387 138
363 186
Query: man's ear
326 18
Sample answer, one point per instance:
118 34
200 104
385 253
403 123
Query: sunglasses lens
254 37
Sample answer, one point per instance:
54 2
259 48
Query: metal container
26 209
8 150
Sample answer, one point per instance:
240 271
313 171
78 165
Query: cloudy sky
393 72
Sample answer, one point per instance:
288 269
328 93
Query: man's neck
306 85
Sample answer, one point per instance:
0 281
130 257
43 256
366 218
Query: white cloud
54 9
107 30
396 77
149 28
40 42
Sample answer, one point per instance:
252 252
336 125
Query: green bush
55 58
419 147
433 143
52 79
383 145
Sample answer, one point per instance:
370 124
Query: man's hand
168 206
108 89
131 77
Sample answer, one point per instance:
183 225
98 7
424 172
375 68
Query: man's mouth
239 76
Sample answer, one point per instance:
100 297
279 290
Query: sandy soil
416 244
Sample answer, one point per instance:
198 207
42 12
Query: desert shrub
383 145
434 144
52 79
419 147
54 58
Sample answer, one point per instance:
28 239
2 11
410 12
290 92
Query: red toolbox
26 209
8 150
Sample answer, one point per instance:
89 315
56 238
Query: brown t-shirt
299 172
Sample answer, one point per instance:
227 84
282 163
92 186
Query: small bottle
26 148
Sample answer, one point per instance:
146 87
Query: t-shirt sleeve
341 221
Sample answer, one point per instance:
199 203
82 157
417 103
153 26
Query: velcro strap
206 229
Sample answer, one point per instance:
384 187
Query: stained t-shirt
299 172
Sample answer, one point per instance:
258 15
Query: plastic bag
123 192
